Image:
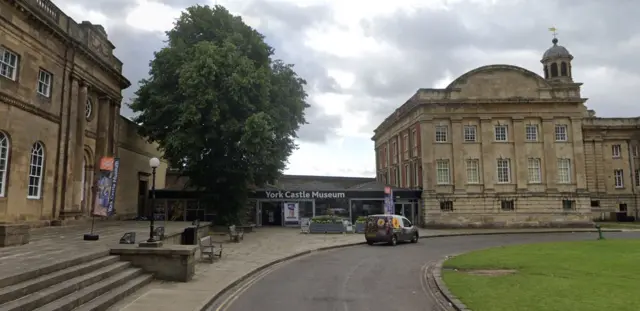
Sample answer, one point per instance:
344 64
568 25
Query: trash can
189 236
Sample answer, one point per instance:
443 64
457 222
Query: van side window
406 223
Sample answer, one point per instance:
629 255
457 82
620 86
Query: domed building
502 146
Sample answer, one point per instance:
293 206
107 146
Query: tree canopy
219 105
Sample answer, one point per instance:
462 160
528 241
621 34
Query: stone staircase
92 281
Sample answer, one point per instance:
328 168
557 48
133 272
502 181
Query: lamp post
153 163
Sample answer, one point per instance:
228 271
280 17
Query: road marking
240 290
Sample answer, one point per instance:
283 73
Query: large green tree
221 107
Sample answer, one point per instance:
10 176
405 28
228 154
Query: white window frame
405 147
414 142
470 133
473 171
443 173
416 175
531 132
561 132
501 133
5 146
618 178
534 170
442 134
503 167
36 171
407 177
564 171
8 63
394 152
616 151
45 80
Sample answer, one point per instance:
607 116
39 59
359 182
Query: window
595 203
446 206
88 109
407 176
473 171
44 83
618 178
568 205
414 141
397 177
394 152
442 172
469 133
405 147
531 132
616 151
635 151
441 133
564 171
561 132
507 205
504 171
8 64
4 162
501 132
636 177
533 167
416 175
35 171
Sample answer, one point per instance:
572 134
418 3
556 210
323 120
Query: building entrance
271 213
406 209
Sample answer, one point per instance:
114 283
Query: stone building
60 95
504 146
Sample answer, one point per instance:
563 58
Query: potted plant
361 224
326 224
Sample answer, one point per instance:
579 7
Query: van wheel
414 239
369 242
394 240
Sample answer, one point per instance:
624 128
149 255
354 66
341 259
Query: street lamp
153 163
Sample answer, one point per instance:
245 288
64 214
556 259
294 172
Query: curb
439 283
444 290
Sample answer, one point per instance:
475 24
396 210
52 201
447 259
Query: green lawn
620 225
566 276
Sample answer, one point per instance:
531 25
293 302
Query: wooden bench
128 238
207 248
247 228
235 235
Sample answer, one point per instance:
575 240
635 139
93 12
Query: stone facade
503 146
60 95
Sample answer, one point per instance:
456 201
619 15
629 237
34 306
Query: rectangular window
414 141
504 171
531 132
442 172
595 203
635 151
636 178
8 64
568 205
394 152
533 168
469 133
616 151
407 176
44 83
442 132
405 147
473 171
561 132
398 180
507 205
618 178
446 206
416 175
501 132
564 171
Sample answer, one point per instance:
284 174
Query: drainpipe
633 180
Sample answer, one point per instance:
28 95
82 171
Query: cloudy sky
362 59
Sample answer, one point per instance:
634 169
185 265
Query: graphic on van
395 223
381 222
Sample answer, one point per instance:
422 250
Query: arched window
546 72
563 69
554 70
4 162
35 171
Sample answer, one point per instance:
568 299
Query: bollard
600 236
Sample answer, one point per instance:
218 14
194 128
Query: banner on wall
389 204
106 183
291 212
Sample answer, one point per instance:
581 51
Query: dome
556 51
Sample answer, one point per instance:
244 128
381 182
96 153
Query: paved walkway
257 249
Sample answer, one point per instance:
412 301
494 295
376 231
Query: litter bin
189 236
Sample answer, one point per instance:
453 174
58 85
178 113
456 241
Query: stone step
47 295
21 276
87 294
16 291
103 302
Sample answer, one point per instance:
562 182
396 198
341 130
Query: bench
235 235
247 228
207 248
128 238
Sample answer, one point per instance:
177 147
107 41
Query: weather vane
554 31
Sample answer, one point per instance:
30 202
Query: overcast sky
362 59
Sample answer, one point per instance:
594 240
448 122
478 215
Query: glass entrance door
405 209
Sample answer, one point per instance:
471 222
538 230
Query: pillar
579 161
488 158
71 138
78 160
550 157
458 166
521 175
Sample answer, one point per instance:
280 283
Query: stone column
78 165
579 162
102 139
71 150
488 158
459 169
428 163
114 117
520 153
550 158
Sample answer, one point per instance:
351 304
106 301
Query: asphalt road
367 278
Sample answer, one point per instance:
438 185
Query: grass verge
567 276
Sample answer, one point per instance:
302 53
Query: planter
326 228
360 227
